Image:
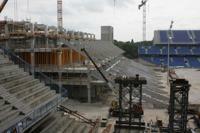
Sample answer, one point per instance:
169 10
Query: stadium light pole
168 51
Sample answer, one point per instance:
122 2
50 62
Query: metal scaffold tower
130 118
59 15
178 108
143 4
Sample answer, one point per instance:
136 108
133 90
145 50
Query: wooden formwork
68 56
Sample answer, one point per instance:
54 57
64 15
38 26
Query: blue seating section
178 61
196 50
194 62
181 36
184 49
141 50
153 50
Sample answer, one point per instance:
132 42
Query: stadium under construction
58 81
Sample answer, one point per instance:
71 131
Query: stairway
21 96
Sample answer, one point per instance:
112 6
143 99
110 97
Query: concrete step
68 125
80 128
4 61
60 124
34 94
10 122
12 77
42 91
9 108
23 86
4 107
28 90
13 71
49 128
7 64
2 102
42 98
73 127
86 130
12 113
14 101
7 69
15 82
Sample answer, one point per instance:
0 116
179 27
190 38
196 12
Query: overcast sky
89 15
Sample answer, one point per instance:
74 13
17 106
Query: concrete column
79 58
60 82
59 53
33 39
89 93
33 61
71 56
7 34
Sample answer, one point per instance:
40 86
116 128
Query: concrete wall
107 33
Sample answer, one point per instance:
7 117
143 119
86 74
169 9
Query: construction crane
59 15
3 5
143 4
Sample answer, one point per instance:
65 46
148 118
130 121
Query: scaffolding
178 109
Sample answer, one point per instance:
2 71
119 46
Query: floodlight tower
143 4
59 16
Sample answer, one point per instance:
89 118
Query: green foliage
131 48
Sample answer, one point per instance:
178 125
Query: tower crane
143 4
59 15
3 5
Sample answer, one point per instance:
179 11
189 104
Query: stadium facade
184 48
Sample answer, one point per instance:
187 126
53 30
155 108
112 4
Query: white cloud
89 15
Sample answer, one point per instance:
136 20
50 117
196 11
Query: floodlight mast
168 51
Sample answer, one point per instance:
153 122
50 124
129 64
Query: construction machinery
93 62
3 5
130 117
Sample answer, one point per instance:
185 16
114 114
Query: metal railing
43 109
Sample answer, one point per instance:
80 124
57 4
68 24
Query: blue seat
141 50
154 50
194 62
184 51
196 50
165 50
178 61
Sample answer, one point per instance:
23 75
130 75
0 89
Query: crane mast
59 15
143 4
3 5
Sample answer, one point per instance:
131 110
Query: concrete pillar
33 61
59 53
60 82
7 34
89 93
71 56
33 39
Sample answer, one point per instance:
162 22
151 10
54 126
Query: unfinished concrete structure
60 57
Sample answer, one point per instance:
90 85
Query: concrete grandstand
184 48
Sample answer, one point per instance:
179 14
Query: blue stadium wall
184 48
